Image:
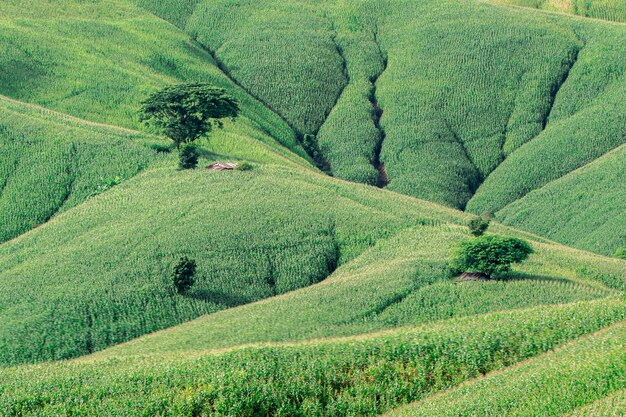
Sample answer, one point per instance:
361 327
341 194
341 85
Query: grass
354 376
614 10
599 203
51 163
554 384
314 296
518 89
612 405
70 59
93 271
384 288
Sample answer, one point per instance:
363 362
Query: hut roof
221 166
473 276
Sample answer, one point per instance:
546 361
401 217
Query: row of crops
614 10
402 280
564 382
362 376
101 273
49 164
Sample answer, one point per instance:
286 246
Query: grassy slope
526 97
587 207
70 59
338 377
554 384
386 287
91 278
614 10
54 162
51 163
92 270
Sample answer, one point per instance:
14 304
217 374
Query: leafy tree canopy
187 111
490 254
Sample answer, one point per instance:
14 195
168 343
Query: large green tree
490 254
187 111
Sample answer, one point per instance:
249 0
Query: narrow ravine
377 113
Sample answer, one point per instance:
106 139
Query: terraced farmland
371 133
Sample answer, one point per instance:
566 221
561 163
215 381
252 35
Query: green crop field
370 134
614 10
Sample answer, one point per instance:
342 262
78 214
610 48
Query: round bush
490 254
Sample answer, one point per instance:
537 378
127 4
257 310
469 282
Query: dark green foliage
478 226
620 253
160 148
185 112
184 273
310 145
490 254
107 184
188 156
244 166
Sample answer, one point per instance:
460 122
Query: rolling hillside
468 105
614 10
375 131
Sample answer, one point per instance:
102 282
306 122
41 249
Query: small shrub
188 156
184 273
478 226
620 253
106 184
490 254
244 166
161 148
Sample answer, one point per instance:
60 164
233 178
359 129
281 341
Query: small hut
473 276
221 166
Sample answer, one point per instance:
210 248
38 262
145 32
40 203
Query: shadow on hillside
219 297
522 276
212 156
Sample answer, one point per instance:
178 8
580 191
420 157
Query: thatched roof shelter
221 166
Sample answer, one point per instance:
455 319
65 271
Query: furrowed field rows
526 97
402 280
291 230
554 384
359 376
614 10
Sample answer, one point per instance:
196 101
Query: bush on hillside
188 156
184 273
490 255
478 226
620 253
106 184
244 166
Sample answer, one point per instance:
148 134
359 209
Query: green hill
587 207
350 376
614 10
553 384
461 103
375 130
